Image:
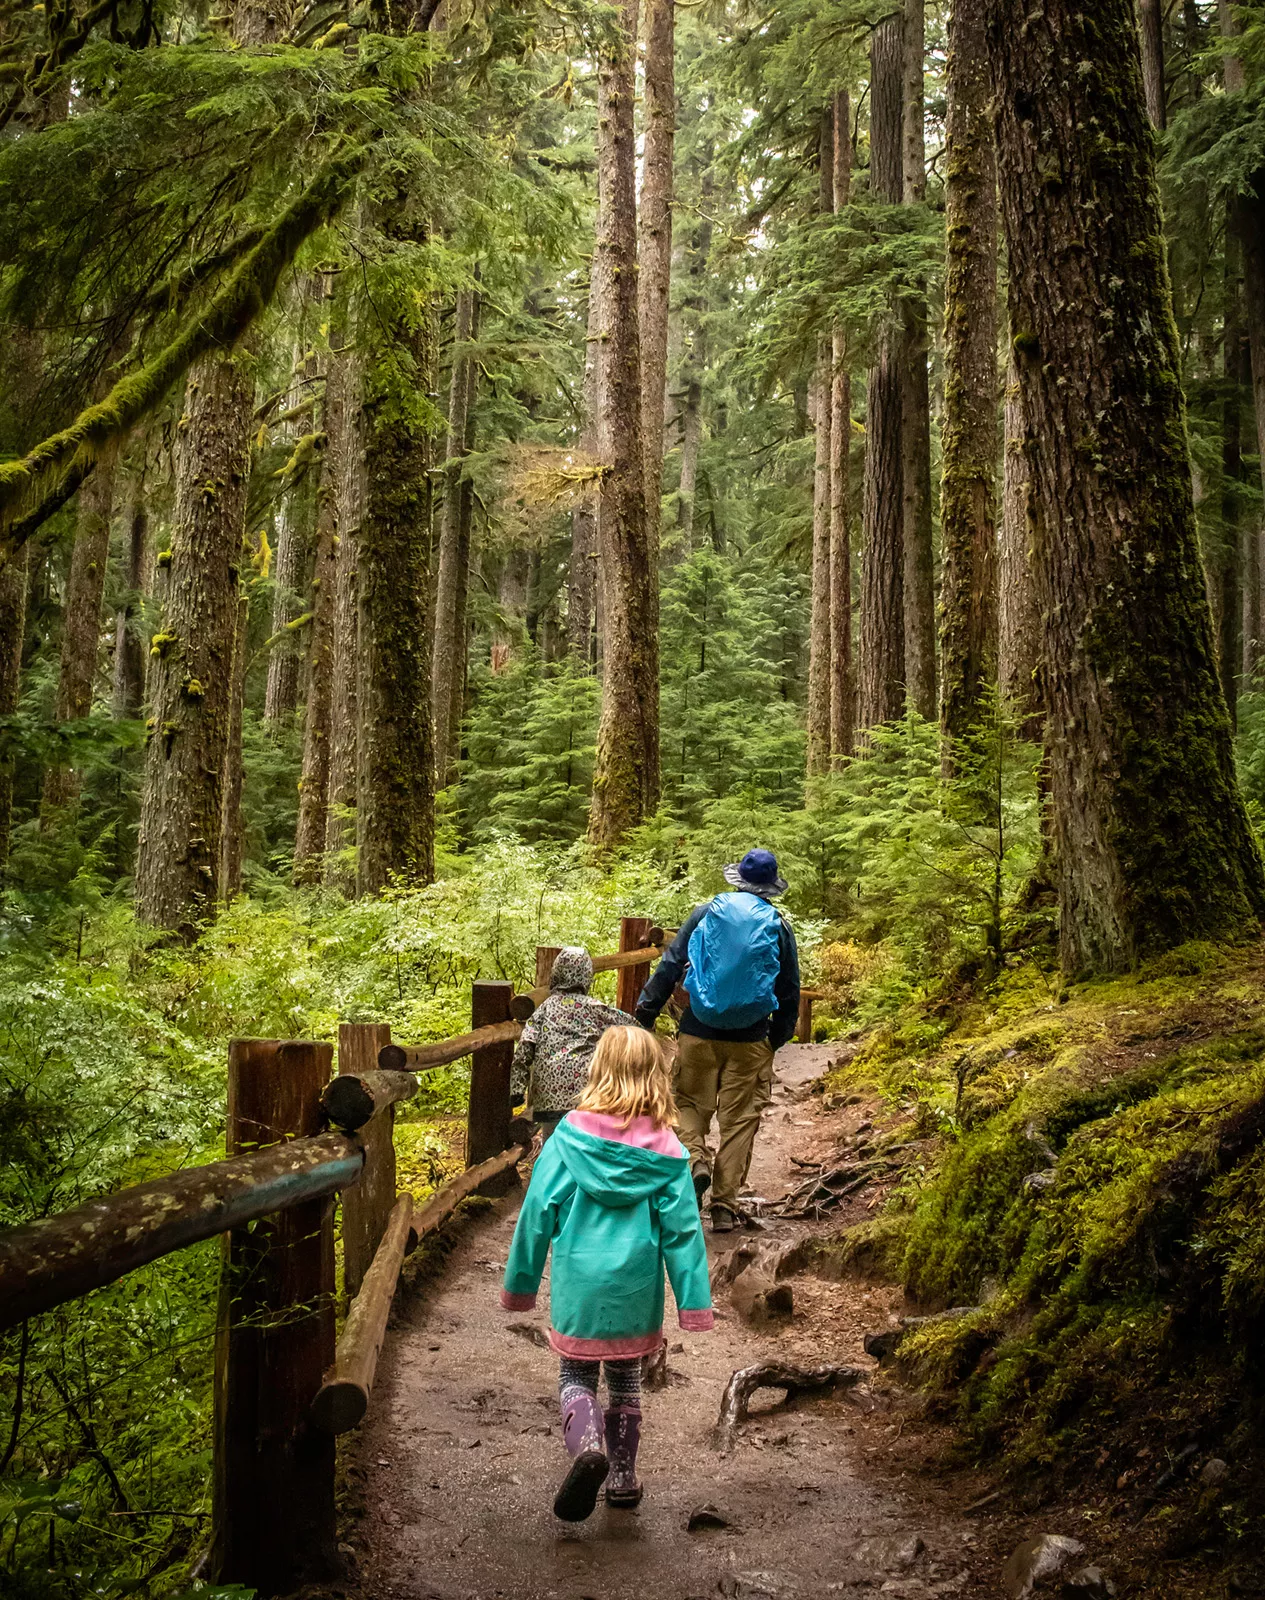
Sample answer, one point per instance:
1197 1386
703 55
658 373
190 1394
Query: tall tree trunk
968 587
340 828
81 626
582 570
822 395
1227 603
654 271
920 580
13 583
396 761
1153 841
1151 19
314 784
231 827
454 546
1019 617
178 849
694 355
842 684
129 645
626 771
882 677
281 692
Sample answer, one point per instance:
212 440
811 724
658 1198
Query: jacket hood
572 971
613 1174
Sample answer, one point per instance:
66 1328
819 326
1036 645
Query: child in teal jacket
611 1194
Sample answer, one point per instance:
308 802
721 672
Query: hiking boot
702 1183
723 1219
623 1435
578 1494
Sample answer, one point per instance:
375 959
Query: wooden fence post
546 955
273 1494
633 933
488 1121
367 1205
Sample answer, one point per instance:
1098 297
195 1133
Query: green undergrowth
1086 1170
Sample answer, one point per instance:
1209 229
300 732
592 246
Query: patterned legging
623 1380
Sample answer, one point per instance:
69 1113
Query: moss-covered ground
1087 1171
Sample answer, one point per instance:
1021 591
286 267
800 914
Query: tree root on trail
772 1375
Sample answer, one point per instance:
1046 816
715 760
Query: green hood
613 1174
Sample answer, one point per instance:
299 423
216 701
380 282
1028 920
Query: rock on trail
460 1457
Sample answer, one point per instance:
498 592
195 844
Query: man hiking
737 960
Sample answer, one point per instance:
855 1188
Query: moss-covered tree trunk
582 567
1018 615
920 578
395 819
340 827
842 683
452 585
818 708
191 656
309 838
882 666
654 247
626 771
1153 841
1225 592
281 690
968 584
81 627
129 644
13 584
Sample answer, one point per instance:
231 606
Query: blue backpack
734 960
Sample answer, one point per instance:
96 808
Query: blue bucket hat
756 872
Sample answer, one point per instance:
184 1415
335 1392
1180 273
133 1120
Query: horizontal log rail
45 1263
343 1399
421 1057
353 1098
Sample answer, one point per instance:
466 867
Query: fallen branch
736 1400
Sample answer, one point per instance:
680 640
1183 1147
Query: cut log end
391 1058
340 1405
522 1006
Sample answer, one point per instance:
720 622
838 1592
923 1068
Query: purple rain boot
582 1435
623 1435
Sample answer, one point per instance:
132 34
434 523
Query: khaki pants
734 1083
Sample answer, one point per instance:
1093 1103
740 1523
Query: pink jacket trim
517 1302
697 1321
641 1132
644 1344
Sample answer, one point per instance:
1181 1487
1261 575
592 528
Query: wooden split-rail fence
286 1382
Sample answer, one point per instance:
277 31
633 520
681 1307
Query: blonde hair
629 1078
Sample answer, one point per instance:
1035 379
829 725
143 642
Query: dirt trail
461 1456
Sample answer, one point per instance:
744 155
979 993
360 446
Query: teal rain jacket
615 1215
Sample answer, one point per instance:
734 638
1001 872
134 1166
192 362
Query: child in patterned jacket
552 1058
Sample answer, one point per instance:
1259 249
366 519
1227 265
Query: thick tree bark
340 828
13 584
310 834
920 579
1225 591
694 356
654 267
1151 20
842 684
396 761
129 645
626 772
451 588
1153 841
882 676
231 828
81 626
1019 617
191 657
968 586
281 692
